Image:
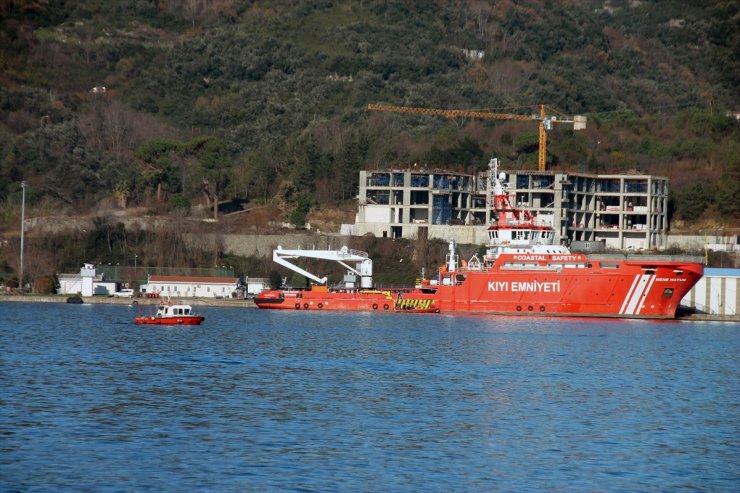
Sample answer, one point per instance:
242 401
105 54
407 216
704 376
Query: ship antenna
497 179
451 257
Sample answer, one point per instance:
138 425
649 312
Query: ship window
667 292
519 265
609 265
649 270
678 272
567 265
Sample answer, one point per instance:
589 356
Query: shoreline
249 304
105 300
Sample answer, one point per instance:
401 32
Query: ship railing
647 257
538 268
481 268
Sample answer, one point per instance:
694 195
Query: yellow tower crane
546 119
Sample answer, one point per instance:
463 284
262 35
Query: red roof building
193 286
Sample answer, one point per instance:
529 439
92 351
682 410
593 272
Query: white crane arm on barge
363 267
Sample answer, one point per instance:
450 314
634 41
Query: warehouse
192 287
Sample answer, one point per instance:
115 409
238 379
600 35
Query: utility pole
23 227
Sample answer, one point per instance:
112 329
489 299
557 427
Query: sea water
256 400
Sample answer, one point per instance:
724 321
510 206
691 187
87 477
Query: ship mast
500 198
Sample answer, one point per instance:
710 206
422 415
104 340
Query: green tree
156 161
728 197
215 167
692 201
466 152
298 215
276 281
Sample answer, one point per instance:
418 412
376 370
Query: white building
255 285
86 283
716 293
192 287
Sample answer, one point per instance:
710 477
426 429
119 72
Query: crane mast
546 117
363 267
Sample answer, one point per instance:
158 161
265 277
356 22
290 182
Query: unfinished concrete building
627 212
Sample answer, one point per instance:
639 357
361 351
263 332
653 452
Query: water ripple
266 401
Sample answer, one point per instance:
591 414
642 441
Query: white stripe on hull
633 300
644 297
629 294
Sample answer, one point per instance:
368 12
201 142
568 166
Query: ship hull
517 285
347 300
183 320
625 289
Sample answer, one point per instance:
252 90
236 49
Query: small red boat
171 314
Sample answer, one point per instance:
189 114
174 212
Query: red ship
522 273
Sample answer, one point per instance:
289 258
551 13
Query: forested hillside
171 104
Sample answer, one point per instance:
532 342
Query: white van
124 293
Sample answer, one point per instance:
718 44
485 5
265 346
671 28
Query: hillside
174 106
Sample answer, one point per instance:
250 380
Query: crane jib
545 120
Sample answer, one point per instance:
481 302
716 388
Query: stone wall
263 245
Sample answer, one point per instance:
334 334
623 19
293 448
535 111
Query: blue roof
717 272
